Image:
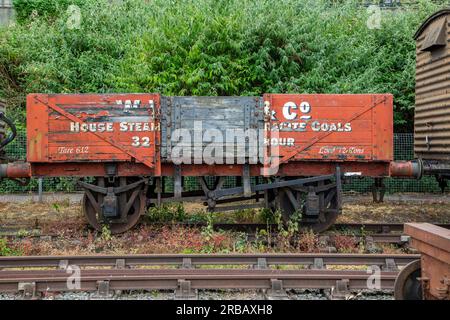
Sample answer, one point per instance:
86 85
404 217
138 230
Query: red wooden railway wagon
306 145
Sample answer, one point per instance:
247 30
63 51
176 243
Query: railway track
185 274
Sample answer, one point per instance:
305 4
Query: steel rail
192 260
159 279
358 227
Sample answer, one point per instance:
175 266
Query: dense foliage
44 8
210 47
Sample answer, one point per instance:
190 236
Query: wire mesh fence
403 150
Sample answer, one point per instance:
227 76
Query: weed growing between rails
148 239
164 233
169 213
6 250
106 233
173 238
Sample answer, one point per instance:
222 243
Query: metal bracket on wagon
268 186
115 190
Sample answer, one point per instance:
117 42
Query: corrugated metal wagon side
432 108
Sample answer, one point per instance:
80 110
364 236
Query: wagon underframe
316 200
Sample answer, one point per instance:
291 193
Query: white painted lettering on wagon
288 142
109 127
287 108
73 150
294 122
91 127
128 104
331 126
288 114
341 150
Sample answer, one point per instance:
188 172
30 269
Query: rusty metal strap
116 190
111 141
319 137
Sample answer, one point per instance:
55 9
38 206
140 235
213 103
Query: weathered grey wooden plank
110 108
220 113
228 114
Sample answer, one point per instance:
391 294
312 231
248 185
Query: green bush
210 47
25 9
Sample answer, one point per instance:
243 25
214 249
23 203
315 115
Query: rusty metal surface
15 170
391 233
305 259
405 169
430 239
309 168
355 228
368 233
433 243
432 107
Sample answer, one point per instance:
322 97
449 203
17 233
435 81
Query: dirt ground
396 209
394 212
62 216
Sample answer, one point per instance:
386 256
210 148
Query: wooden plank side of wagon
204 116
94 128
344 127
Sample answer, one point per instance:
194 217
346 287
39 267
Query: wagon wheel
407 286
131 206
289 200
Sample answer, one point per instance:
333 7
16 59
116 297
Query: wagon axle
117 203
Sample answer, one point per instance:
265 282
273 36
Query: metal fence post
6 12
40 190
